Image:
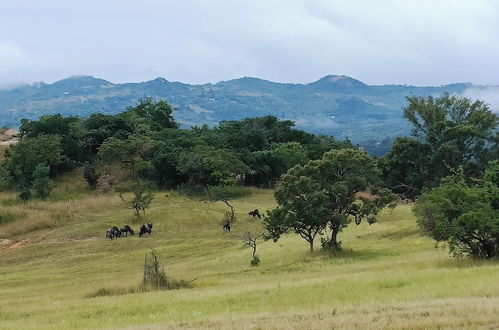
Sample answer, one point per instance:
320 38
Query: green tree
208 166
22 159
466 216
99 127
301 208
143 170
406 168
127 152
156 115
142 198
71 132
42 185
268 165
323 193
449 131
90 174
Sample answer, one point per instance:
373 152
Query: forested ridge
337 105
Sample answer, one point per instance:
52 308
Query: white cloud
488 94
418 42
12 60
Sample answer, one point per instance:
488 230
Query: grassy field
388 276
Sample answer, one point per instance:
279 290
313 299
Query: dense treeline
146 141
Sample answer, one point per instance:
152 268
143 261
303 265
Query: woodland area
454 147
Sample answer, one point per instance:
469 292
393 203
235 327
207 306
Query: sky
200 41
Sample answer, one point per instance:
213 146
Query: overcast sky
379 42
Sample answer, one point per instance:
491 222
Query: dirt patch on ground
5 243
19 244
68 239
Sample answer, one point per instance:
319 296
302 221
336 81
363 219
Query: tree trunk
232 210
311 242
334 236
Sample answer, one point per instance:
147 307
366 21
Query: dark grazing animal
149 225
144 230
127 230
226 226
254 214
113 232
116 231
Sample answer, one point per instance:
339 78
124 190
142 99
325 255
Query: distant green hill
333 105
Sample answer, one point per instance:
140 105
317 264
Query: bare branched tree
250 240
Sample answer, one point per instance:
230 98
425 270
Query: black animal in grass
145 230
127 230
113 232
254 214
226 226
109 234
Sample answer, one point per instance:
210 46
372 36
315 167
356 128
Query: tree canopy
146 141
466 216
324 193
449 131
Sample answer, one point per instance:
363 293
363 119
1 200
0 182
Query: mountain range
334 105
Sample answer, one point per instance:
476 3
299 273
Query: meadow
387 276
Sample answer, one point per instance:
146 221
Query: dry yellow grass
70 199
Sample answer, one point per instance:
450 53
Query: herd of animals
115 232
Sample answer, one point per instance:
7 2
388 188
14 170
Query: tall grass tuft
155 277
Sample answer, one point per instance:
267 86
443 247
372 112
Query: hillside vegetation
333 105
69 180
387 276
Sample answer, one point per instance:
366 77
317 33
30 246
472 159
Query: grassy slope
388 275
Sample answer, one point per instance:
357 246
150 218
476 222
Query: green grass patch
6 217
386 276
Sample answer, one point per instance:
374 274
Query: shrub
143 170
328 245
90 174
142 198
467 217
42 185
25 195
155 277
255 262
6 217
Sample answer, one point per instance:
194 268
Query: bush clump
155 277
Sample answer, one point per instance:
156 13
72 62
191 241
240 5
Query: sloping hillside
388 276
333 105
